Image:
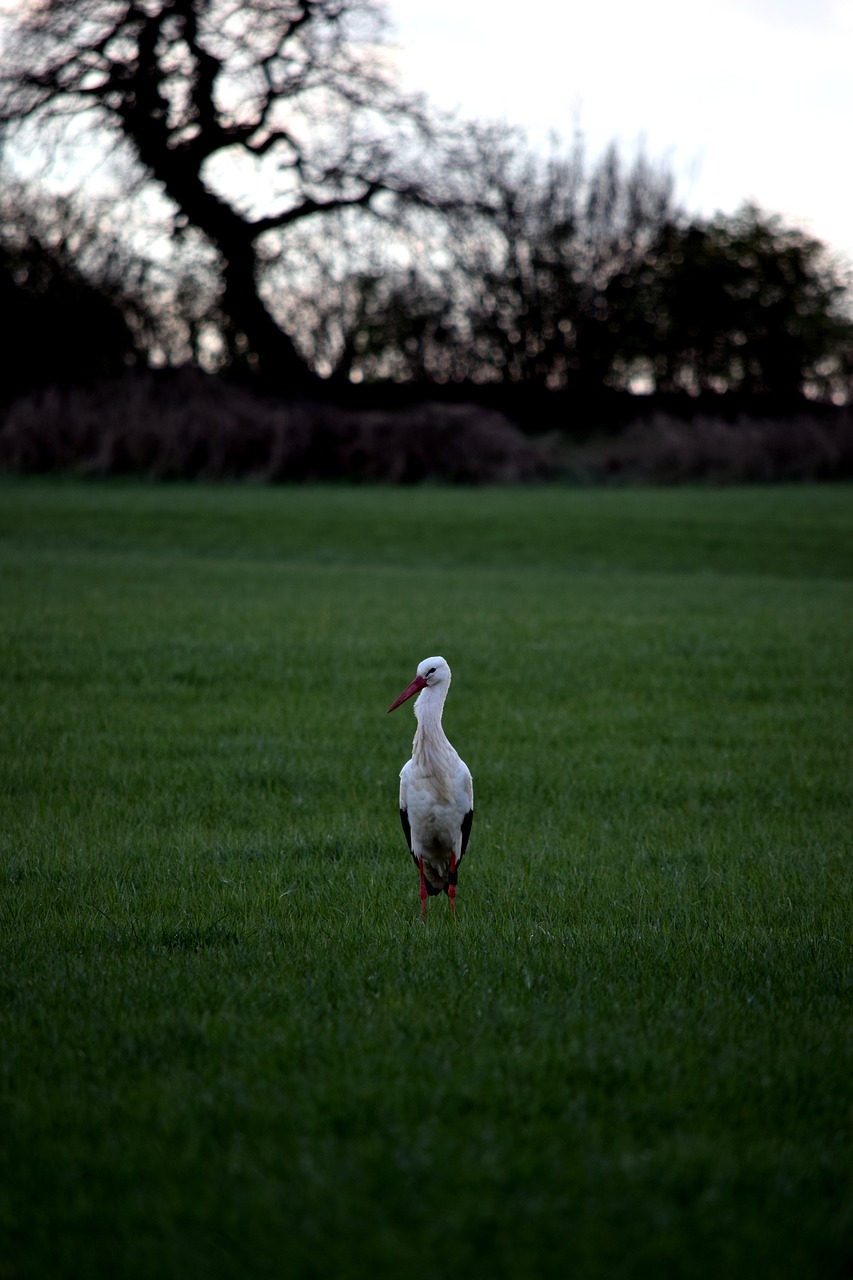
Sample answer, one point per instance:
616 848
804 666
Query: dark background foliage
381 256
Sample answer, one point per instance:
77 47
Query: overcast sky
744 99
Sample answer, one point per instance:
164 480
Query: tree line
245 187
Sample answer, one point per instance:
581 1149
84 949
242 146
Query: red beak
415 687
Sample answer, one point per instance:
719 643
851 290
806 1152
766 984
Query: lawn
230 1048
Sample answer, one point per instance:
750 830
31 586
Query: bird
436 788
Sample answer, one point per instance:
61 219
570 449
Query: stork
436 790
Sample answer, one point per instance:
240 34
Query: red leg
451 888
423 889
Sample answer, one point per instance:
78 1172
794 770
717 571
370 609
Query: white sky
743 99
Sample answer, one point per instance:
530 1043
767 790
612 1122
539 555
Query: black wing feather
467 822
407 831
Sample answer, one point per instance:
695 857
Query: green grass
229 1046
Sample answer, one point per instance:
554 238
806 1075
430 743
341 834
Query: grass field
230 1047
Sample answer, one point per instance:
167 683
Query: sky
742 99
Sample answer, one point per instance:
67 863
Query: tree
518 289
288 102
60 328
737 303
589 279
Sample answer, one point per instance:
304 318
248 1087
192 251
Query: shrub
186 424
669 450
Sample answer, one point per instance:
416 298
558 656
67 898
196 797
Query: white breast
436 803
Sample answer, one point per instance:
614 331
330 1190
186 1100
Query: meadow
229 1046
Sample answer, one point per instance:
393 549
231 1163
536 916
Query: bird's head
431 673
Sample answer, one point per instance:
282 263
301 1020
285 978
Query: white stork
436 791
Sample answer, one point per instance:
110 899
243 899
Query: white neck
430 746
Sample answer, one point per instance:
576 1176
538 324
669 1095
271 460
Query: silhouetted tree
740 303
251 119
57 326
516 292
588 278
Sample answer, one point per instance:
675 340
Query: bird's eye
431 671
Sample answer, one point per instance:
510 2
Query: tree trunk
270 353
